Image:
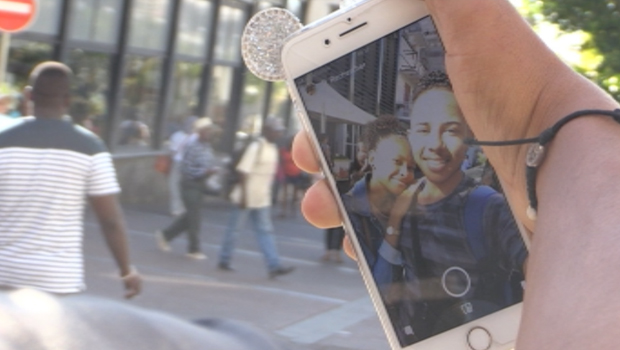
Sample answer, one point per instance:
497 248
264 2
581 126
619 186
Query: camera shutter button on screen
456 282
479 339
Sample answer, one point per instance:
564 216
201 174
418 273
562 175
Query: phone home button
479 338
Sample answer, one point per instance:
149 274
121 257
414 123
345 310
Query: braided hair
384 126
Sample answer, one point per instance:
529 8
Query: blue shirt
367 227
437 232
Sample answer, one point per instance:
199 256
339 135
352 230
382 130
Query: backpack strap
473 218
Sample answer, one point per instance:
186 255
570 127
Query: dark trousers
333 238
191 193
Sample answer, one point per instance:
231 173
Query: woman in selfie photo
370 199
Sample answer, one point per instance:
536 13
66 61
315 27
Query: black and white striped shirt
47 169
198 158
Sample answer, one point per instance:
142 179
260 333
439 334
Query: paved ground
319 306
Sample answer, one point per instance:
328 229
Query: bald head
51 87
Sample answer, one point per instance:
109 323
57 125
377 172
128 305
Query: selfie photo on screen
441 244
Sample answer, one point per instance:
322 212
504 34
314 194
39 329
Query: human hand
133 284
347 247
402 205
318 205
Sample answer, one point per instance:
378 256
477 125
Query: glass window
23 56
149 24
141 85
194 23
48 18
186 87
96 20
281 107
90 87
264 4
219 96
295 6
279 100
231 22
252 102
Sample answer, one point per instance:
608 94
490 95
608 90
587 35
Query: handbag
163 163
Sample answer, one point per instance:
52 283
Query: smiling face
437 135
392 164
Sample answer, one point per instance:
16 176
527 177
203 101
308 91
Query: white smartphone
437 244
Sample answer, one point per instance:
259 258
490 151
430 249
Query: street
319 306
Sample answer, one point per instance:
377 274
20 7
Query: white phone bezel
306 51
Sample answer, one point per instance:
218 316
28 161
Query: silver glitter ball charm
262 40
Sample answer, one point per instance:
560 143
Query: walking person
177 142
198 163
293 178
48 167
252 196
6 120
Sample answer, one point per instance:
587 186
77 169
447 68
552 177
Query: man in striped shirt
197 164
48 168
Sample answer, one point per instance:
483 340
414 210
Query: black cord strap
536 153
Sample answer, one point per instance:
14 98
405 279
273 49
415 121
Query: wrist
131 272
392 230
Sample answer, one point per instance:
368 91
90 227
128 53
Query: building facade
153 63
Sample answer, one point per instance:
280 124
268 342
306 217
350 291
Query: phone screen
426 209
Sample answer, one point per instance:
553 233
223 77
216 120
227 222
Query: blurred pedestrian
252 196
293 183
198 163
133 131
5 119
176 144
326 148
80 113
47 167
5 104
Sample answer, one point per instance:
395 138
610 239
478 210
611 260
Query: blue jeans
263 230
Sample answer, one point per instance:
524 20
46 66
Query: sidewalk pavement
320 306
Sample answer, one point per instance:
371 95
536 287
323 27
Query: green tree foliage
599 18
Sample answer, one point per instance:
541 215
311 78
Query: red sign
16 15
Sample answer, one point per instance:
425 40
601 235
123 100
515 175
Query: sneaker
281 271
196 256
162 243
225 267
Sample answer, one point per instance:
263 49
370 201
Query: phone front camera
349 19
327 42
